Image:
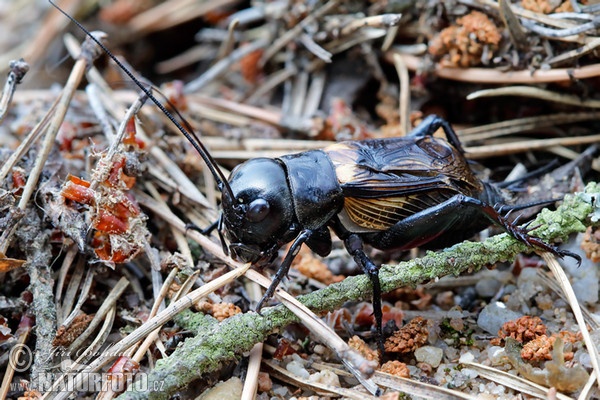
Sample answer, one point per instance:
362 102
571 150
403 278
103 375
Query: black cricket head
259 218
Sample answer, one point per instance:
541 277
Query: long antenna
190 135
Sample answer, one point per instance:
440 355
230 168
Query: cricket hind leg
443 225
432 123
354 245
521 233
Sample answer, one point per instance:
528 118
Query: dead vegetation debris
90 179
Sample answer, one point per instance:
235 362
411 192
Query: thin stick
19 349
255 358
521 385
18 69
564 283
85 290
480 152
537 93
62 276
488 131
487 75
28 141
473 152
223 65
377 21
404 99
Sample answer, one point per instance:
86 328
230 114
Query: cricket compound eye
257 210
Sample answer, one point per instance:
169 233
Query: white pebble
469 373
430 355
297 368
494 315
496 355
467 357
326 377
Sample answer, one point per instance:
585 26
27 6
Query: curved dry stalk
286 376
487 75
23 331
26 143
404 99
497 129
542 94
109 302
222 66
297 30
479 152
18 69
172 13
255 357
563 281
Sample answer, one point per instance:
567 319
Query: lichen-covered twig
221 343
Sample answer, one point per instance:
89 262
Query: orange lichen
547 6
67 335
463 44
395 367
220 311
359 345
409 338
312 267
540 348
591 244
223 311
523 329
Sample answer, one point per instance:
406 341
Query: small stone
469 373
297 368
228 390
430 355
326 377
264 382
496 355
487 287
494 315
466 357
